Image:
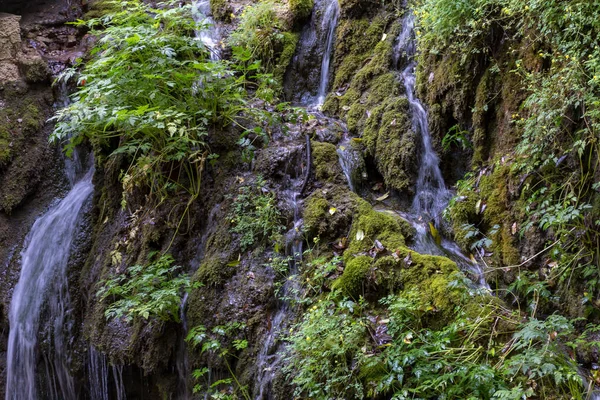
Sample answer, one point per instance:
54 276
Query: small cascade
97 375
117 374
328 24
181 361
209 32
352 163
307 80
43 290
270 356
432 196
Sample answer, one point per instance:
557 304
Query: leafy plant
255 216
151 90
214 342
151 291
457 137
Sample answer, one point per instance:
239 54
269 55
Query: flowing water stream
42 293
329 23
269 360
431 194
209 33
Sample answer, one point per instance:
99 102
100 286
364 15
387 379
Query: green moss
327 166
17 123
374 225
329 212
301 8
351 282
220 10
290 41
99 8
35 70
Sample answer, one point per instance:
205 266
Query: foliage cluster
153 290
151 90
215 342
255 216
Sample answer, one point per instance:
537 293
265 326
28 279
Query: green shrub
147 291
255 216
261 31
151 84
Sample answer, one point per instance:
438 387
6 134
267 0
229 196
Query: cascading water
97 375
43 289
181 361
329 23
431 194
209 32
270 356
307 79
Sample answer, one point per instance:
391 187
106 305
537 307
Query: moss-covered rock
351 283
326 163
328 212
301 8
220 9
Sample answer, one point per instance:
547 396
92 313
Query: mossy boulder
354 278
329 211
326 163
370 97
301 9
221 10
34 69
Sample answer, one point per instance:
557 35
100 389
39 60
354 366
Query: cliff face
291 284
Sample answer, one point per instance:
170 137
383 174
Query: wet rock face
10 47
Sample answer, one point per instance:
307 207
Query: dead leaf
385 196
513 229
332 210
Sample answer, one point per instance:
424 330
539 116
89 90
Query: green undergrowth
448 341
145 291
149 95
266 30
255 217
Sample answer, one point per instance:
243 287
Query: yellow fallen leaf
332 210
435 234
385 196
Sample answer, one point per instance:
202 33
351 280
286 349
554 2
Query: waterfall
307 78
328 25
209 32
97 371
431 194
181 358
269 358
43 290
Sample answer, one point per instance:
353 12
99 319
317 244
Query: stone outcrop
10 47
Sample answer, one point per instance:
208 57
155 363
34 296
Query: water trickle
269 359
97 375
431 194
181 361
208 34
307 79
43 288
328 25
352 164
117 373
